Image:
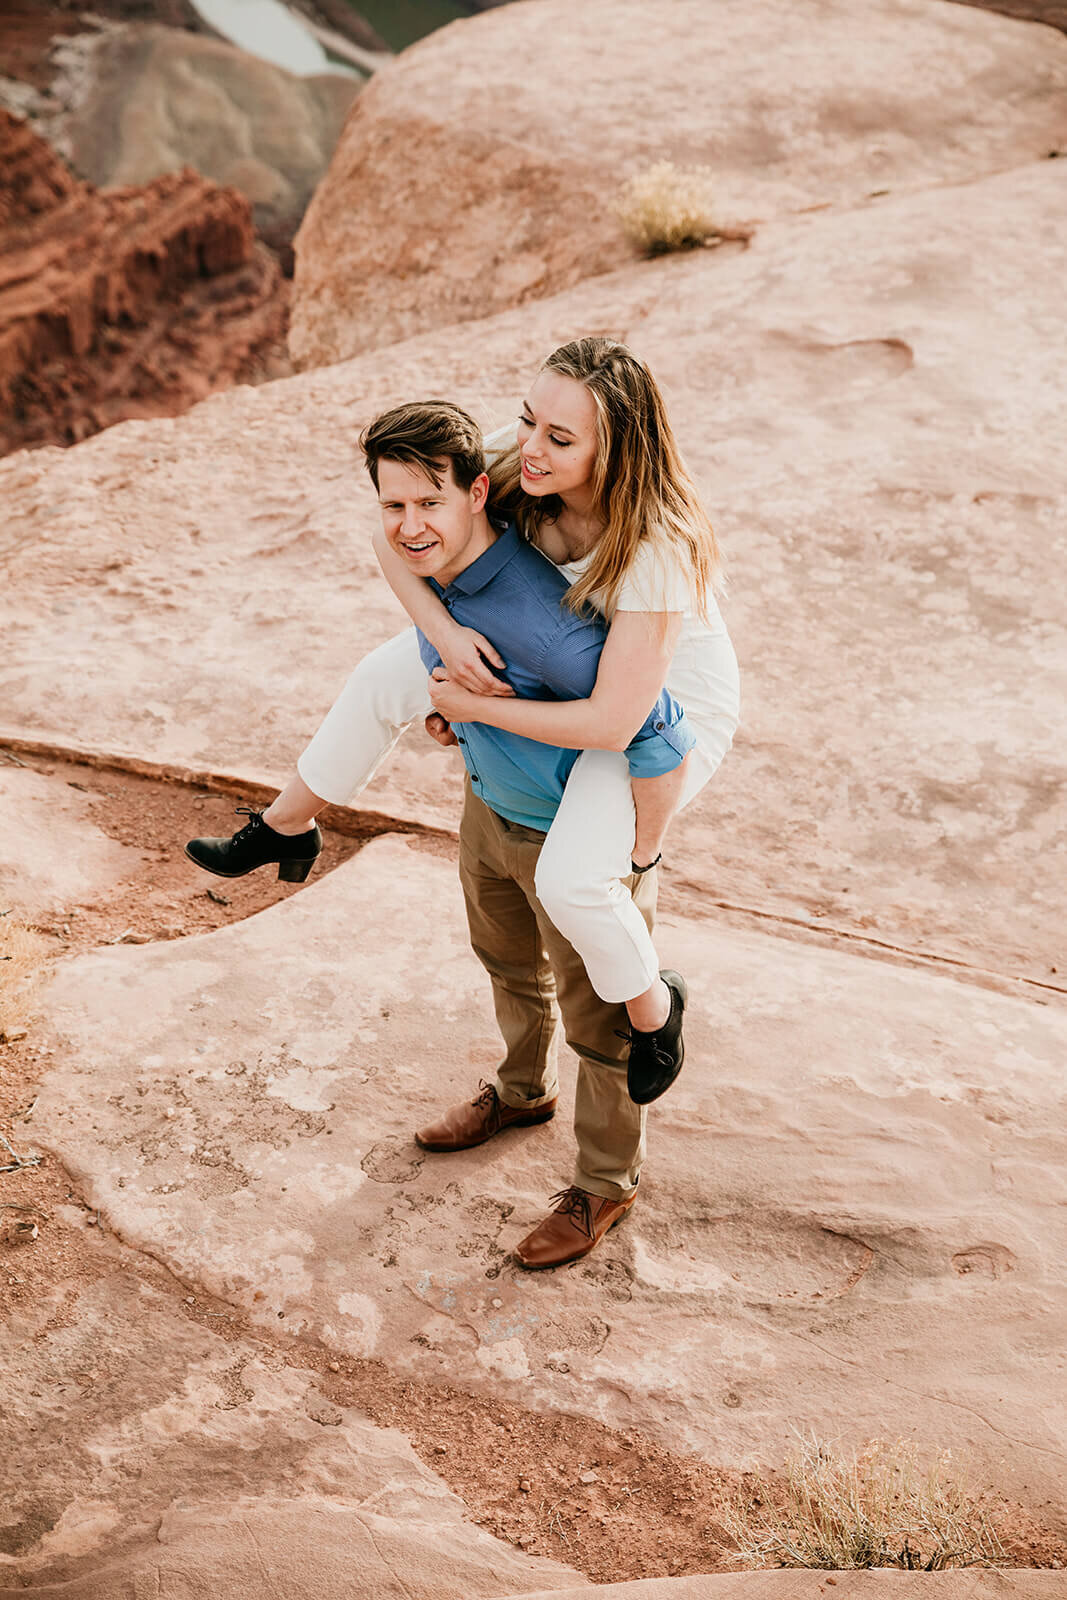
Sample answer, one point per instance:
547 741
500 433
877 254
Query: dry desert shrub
668 208
21 963
881 1507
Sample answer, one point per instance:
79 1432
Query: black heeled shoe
258 845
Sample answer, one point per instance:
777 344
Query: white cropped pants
586 855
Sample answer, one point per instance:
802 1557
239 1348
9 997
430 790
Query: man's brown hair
427 435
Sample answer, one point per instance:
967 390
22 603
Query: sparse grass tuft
668 208
21 964
881 1507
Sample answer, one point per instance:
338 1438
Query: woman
593 477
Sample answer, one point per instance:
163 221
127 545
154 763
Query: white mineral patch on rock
505 1359
302 1089
363 1310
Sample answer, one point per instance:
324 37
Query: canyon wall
134 302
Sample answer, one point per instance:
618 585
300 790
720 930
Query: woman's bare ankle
294 810
650 1010
285 825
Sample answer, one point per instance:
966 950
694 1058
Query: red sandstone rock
480 169
121 303
890 598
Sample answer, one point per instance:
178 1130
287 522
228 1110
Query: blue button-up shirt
513 595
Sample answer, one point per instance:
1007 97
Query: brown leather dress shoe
578 1223
479 1119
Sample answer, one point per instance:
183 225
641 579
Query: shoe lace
249 827
487 1095
574 1203
646 1045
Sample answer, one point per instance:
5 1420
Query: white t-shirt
703 675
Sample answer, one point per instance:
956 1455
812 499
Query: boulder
480 170
130 303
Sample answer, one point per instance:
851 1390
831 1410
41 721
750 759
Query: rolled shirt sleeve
663 742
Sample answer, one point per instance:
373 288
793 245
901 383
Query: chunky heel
295 871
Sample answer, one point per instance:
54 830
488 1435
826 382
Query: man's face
433 530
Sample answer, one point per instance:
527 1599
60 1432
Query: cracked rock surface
166 1454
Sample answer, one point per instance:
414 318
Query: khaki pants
533 967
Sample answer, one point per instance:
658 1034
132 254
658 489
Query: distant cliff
123 303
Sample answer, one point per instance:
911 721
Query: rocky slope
138 101
180 1440
31 26
848 1192
132 303
480 169
817 1211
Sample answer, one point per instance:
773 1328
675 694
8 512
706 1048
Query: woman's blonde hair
641 487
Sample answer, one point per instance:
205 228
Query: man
427 464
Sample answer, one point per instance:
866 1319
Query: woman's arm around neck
464 651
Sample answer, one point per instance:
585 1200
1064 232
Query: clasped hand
465 675
469 658
450 700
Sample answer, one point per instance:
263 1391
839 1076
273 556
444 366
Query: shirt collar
484 570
